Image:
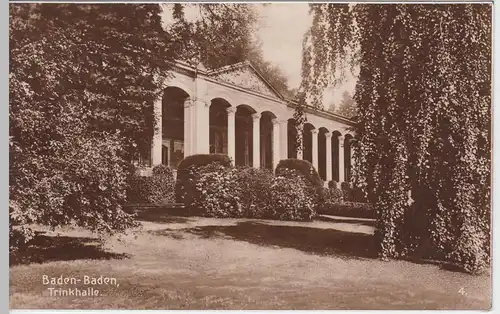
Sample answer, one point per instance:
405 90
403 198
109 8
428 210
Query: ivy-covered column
256 140
328 138
156 146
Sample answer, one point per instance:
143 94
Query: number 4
461 291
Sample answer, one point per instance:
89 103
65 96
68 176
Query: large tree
423 98
82 83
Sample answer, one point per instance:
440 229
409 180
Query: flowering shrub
186 173
256 200
292 197
246 192
332 196
303 168
216 191
155 189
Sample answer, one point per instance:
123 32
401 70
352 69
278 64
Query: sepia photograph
250 156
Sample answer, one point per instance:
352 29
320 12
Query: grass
175 262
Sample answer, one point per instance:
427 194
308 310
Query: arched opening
322 153
347 157
244 136
291 137
266 140
218 126
335 155
307 141
173 126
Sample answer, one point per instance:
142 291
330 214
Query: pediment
246 76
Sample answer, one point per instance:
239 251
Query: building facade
235 111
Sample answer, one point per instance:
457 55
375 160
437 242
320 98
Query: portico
235 111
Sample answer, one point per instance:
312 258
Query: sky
282 28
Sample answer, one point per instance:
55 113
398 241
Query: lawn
175 262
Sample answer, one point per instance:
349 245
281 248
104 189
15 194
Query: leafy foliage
245 192
83 78
155 189
292 197
186 172
347 107
423 98
306 170
256 199
215 191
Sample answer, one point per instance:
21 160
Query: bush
155 189
333 196
246 192
215 191
257 199
85 186
346 191
186 171
305 169
292 198
348 209
333 185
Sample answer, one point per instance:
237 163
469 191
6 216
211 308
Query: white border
495 145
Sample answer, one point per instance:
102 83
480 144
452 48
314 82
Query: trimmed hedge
257 198
186 172
253 193
155 189
307 170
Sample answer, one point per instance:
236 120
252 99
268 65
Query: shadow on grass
306 239
43 249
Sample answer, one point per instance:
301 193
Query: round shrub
155 189
306 170
292 198
216 192
186 171
257 199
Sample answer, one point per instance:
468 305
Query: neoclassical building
235 111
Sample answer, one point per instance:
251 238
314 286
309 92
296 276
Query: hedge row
252 193
211 185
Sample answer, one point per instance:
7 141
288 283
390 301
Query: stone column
188 136
341 159
283 127
328 137
300 152
231 134
276 142
256 140
314 147
201 127
156 147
